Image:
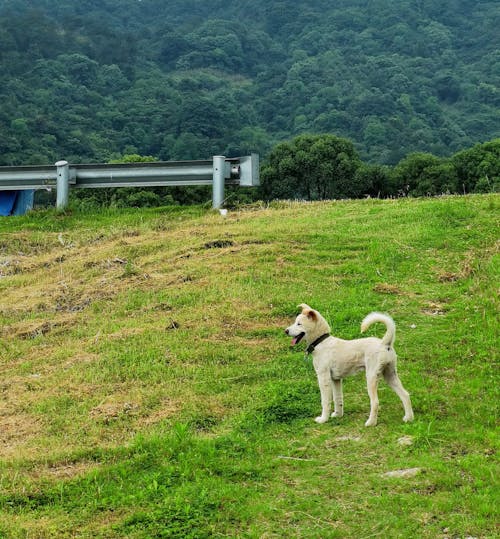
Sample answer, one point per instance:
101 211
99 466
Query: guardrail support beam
62 185
218 181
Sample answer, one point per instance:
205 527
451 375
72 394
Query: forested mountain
88 80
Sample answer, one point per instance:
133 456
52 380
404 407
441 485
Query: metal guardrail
218 172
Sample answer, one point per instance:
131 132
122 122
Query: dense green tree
412 172
313 167
375 180
422 174
478 168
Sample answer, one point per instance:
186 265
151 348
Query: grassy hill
148 389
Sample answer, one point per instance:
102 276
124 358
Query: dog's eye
299 324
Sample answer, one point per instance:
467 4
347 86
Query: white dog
335 359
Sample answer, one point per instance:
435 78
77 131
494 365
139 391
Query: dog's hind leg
392 378
372 384
338 399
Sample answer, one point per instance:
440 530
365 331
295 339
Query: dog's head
309 324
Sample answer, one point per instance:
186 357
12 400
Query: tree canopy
312 167
88 81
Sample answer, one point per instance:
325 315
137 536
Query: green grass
148 389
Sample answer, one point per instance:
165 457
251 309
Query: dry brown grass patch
17 431
433 308
64 470
468 267
30 329
448 276
110 410
384 288
167 409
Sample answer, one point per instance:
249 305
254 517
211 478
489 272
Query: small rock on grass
405 440
403 474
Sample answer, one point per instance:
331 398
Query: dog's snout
286 331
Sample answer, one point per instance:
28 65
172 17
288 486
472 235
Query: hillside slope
148 389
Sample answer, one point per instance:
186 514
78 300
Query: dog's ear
311 314
307 311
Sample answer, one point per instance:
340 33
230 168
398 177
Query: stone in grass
405 440
403 474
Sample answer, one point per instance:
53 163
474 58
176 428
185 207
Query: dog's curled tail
390 335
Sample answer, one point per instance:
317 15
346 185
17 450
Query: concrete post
62 185
219 172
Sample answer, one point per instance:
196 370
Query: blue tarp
16 202
7 201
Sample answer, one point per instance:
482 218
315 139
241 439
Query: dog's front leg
325 387
338 399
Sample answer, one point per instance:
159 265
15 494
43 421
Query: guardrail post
62 185
219 173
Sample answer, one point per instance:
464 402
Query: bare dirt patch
218 244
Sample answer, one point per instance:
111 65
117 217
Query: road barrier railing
217 172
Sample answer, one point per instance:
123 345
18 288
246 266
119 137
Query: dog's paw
336 414
408 418
321 419
371 423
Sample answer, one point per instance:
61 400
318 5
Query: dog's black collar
312 346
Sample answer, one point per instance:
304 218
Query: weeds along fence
63 176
